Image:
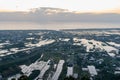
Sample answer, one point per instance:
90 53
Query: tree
23 77
70 78
85 77
13 79
117 77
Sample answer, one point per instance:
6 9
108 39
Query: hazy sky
55 15
55 26
73 5
35 14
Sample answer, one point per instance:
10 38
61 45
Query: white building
59 70
69 71
92 70
44 69
117 72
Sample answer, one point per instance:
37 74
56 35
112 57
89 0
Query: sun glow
73 5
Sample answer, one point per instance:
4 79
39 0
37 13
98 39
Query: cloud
46 14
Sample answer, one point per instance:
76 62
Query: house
92 70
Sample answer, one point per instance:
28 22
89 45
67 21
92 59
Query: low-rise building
69 71
75 75
92 70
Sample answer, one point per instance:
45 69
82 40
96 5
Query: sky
45 14
72 5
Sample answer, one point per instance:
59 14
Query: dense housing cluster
92 54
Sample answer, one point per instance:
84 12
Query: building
69 71
92 70
0 77
59 70
75 75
